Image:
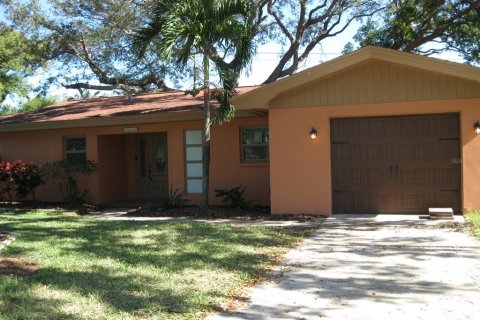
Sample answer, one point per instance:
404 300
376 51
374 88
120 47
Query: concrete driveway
377 267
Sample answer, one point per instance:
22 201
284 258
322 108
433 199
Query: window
75 150
193 161
254 144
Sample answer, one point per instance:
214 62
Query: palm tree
216 29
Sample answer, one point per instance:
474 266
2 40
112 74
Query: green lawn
92 269
474 218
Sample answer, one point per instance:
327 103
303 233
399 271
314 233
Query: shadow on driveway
357 267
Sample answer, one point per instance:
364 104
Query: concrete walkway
122 215
379 267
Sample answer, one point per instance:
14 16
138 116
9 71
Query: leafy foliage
36 104
19 177
176 199
474 219
218 29
66 172
18 58
234 197
31 105
301 25
410 24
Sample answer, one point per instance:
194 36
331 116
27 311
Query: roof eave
118 121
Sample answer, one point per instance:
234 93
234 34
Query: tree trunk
206 131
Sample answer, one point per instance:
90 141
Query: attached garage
395 164
394 134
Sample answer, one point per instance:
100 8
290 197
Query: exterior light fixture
313 133
476 126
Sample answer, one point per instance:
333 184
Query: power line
311 53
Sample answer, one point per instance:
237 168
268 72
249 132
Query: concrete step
441 213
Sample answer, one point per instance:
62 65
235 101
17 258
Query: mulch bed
214 212
16 267
450 225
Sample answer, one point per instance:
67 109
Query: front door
152 166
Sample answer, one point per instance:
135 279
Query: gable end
376 81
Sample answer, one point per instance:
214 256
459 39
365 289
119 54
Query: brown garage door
395 164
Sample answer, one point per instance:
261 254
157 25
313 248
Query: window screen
75 150
254 144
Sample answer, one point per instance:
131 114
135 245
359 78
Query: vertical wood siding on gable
377 82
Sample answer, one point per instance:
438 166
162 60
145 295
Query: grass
91 269
474 218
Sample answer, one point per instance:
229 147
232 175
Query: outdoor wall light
313 133
476 126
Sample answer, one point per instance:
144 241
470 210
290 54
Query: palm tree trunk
206 131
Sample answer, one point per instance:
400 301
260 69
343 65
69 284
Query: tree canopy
93 40
301 25
409 25
18 58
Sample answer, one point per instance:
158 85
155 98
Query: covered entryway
133 167
396 164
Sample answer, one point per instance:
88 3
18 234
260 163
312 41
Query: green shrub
27 177
176 199
66 172
19 177
234 197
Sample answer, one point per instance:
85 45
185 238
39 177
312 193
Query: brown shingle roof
105 107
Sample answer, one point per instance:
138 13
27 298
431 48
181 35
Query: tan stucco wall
300 169
105 186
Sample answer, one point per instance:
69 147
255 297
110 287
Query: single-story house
373 131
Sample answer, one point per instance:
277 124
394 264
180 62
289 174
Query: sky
268 57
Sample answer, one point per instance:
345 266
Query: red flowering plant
21 177
7 184
27 178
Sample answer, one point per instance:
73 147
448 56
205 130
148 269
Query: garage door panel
348 152
428 150
414 151
412 175
352 177
377 151
448 176
428 176
438 126
349 202
446 149
364 128
445 199
414 202
377 176
395 164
